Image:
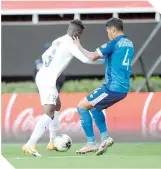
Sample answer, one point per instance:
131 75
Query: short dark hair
78 23
115 22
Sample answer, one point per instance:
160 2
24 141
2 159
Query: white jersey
56 58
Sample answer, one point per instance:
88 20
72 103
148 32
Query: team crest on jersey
104 45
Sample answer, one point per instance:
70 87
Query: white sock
39 130
53 127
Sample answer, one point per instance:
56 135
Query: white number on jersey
126 61
48 61
49 58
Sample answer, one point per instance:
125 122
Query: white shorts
48 95
47 88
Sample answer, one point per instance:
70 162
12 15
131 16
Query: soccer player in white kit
55 59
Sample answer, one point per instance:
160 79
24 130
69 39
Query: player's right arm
75 51
93 56
101 52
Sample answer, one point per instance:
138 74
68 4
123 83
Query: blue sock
100 122
86 121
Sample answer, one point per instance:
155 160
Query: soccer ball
63 142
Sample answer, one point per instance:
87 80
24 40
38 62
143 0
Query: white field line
62 157
89 168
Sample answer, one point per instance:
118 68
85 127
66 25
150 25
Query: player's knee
49 110
84 104
58 106
50 114
81 105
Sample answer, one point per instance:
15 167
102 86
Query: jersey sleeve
74 50
106 49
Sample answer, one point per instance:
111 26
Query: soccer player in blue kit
117 53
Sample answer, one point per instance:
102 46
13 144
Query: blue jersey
118 54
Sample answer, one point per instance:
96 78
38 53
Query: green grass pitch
120 155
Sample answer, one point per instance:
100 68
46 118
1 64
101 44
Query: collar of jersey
120 36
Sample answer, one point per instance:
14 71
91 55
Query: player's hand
76 41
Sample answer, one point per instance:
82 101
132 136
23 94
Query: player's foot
30 150
104 145
89 147
51 147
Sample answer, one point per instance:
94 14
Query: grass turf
121 155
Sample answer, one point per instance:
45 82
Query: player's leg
109 100
48 100
106 140
89 103
40 127
86 122
100 122
83 108
53 126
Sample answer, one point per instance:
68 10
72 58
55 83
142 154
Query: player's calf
53 131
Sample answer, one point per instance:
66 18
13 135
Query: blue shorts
102 98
